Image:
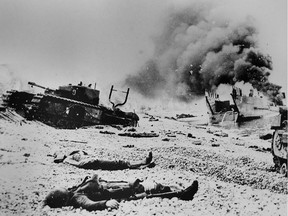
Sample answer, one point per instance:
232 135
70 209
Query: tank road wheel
283 169
76 113
277 141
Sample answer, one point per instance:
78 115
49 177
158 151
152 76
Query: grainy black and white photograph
147 107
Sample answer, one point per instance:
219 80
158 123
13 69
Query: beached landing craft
220 111
70 106
242 108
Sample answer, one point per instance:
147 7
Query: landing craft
242 108
69 106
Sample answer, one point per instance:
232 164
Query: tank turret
74 92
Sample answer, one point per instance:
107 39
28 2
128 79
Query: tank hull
65 113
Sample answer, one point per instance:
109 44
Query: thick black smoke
198 51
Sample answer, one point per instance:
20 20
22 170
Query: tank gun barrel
34 84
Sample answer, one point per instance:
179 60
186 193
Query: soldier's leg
115 165
120 190
159 190
139 164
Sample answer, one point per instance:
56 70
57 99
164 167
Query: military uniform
81 159
94 193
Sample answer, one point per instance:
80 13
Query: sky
58 42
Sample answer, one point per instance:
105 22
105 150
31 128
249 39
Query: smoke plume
198 50
8 80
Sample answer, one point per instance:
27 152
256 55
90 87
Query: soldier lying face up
81 159
98 194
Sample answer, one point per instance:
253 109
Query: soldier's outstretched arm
72 162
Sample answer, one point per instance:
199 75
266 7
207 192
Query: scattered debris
244 135
210 131
267 149
128 146
171 118
192 169
7 150
197 142
137 135
98 127
215 144
179 132
220 134
171 135
165 139
184 116
261 149
118 127
131 129
190 135
106 132
201 127
266 136
152 118
75 141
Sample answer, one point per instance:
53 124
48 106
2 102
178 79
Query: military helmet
57 198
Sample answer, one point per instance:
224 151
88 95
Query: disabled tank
69 106
280 140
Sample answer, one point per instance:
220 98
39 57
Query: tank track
17 100
67 113
5 99
279 151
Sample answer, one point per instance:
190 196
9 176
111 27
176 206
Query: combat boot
142 164
188 193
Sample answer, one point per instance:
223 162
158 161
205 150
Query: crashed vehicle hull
220 111
68 108
279 142
242 108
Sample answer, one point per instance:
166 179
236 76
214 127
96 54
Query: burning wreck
69 106
242 108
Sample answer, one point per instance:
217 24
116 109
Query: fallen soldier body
98 194
82 160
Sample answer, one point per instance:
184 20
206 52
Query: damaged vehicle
280 140
241 108
69 106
